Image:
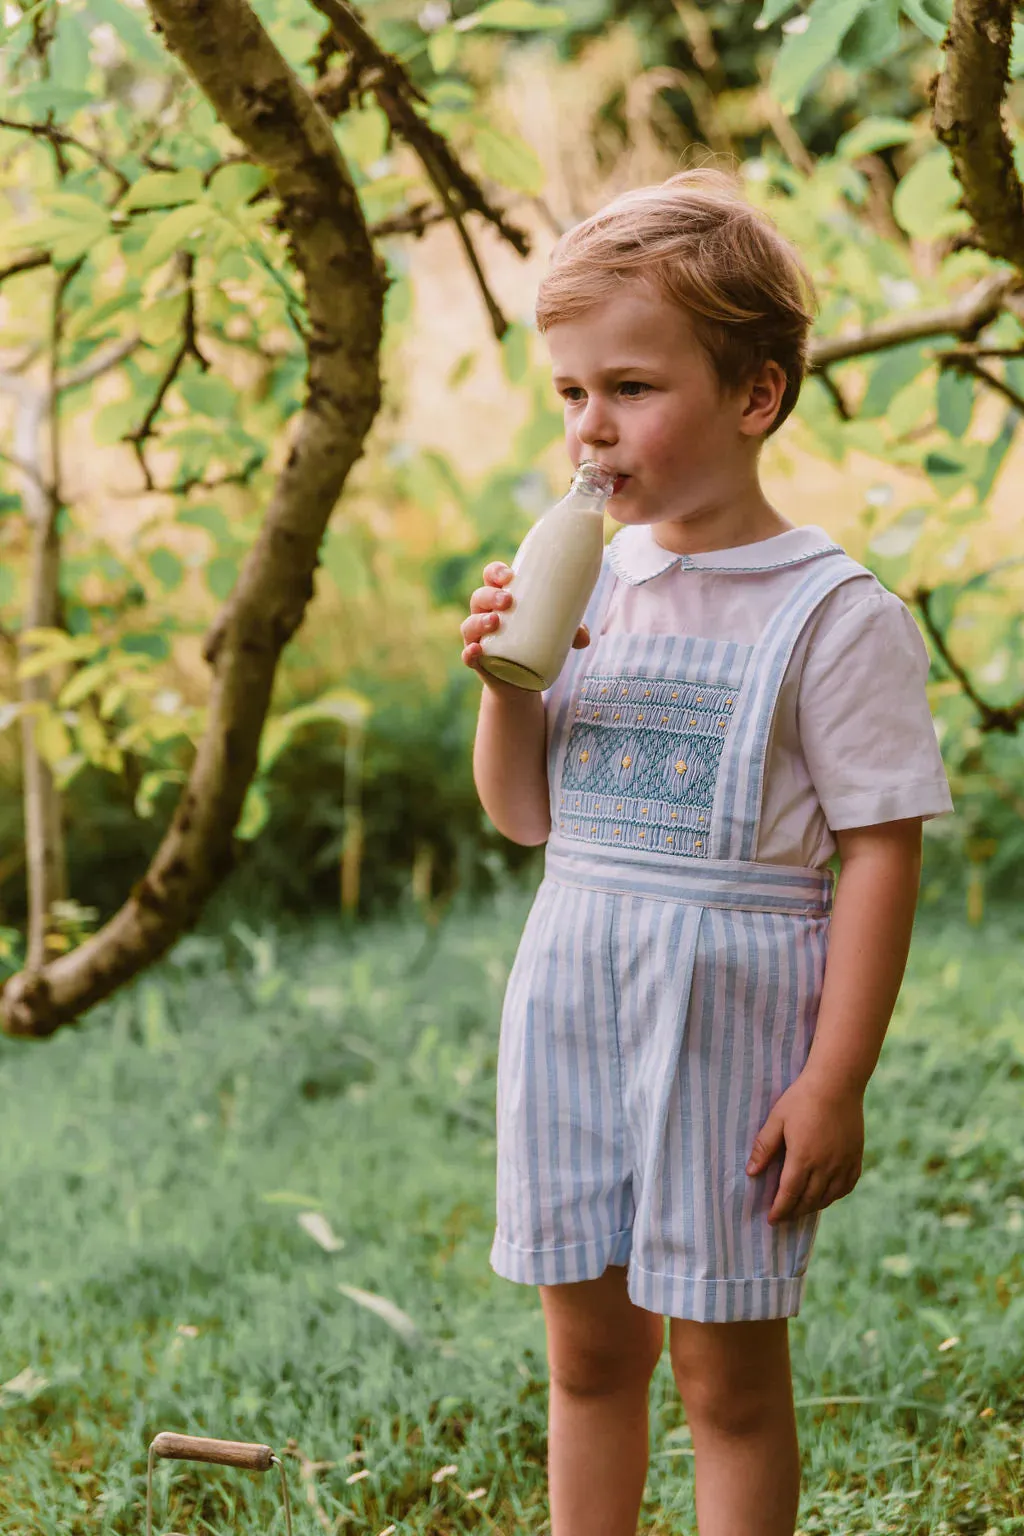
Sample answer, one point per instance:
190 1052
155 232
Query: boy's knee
732 1384
599 1370
736 1413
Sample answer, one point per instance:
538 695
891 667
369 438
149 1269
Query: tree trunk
968 119
44 832
257 96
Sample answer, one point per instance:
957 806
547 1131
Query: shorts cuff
715 1301
560 1266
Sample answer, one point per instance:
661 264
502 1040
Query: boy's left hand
822 1132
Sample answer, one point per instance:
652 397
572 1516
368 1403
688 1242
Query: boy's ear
763 399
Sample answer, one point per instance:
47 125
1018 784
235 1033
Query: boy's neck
749 519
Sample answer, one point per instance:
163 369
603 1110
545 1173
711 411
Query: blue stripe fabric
665 990
741 776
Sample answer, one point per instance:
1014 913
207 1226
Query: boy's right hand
485 608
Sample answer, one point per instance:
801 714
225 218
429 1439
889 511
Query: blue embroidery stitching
642 761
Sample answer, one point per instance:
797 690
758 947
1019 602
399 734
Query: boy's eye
633 389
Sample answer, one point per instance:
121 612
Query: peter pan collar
636 557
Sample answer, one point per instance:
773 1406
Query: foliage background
831 135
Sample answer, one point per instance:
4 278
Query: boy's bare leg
735 1383
602 1352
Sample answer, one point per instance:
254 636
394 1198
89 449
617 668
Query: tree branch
59 137
372 68
838 398
967 116
413 222
99 363
188 346
21 465
963 362
382 73
260 100
25 264
965 318
993 717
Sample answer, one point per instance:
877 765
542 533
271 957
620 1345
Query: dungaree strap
737 811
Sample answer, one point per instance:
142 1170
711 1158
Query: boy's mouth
620 481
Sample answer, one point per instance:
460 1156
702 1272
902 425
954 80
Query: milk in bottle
556 568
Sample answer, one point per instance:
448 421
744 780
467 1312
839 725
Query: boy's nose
595 427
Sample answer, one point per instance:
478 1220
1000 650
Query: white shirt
852 742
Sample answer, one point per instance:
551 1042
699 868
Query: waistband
730 883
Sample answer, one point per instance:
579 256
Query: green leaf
208 395
941 465
996 453
212 520
771 12
233 186
72 205
508 160
153 643
174 230
871 134
341 706
461 369
443 49
398 302
113 421
955 401
8 585
915 11
89 680
52 648
150 788
255 813
364 136
514 16
383 196
38 100
451 96
805 55
221 575
893 372
233 264
874 36
67 233
160 189
1017 53
166 567
925 201
515 352
68 55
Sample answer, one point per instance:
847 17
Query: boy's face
641 397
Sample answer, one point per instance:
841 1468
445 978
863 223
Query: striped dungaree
666 986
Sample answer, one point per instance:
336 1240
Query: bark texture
44 832
257 96
968 119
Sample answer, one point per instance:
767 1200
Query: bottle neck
588 501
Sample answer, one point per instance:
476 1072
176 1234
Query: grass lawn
162 1266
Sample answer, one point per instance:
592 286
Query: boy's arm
510 763
819 1119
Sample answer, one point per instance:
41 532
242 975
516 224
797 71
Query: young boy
681 1078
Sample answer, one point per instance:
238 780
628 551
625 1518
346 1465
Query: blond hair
704 248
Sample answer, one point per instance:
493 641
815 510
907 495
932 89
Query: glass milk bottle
556 568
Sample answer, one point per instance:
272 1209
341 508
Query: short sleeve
862 713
